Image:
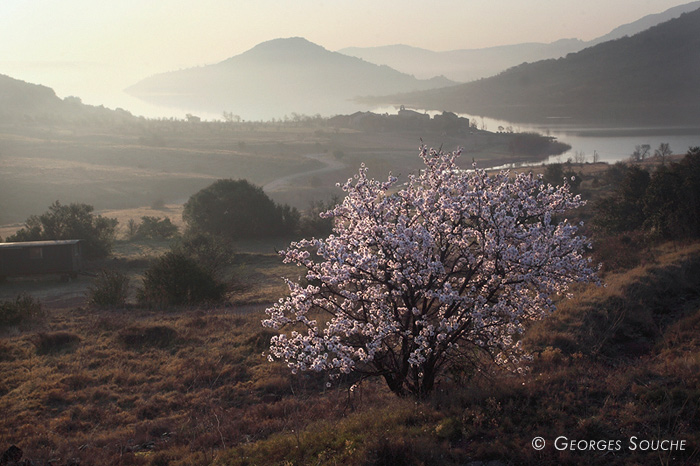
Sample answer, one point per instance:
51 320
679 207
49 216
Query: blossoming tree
438 273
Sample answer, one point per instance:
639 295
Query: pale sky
85 47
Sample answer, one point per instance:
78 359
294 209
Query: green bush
74 221
238 209
175 279
23 309
153 228
110 289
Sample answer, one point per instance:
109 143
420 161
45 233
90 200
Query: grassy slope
189 386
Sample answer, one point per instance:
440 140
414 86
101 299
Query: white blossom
414 280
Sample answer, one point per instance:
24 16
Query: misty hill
646 22
278 77
471 64
22 101
647 78
462 65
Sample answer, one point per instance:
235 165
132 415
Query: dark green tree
73 221
238 209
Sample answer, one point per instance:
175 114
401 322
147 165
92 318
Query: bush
555 175
238 209
664 203
311 222
176 279
50 343
23 309
154 336
624 209
153 228
74 221
110 289
211 252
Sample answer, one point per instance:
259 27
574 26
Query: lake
611 144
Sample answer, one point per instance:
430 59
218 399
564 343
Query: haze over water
94 50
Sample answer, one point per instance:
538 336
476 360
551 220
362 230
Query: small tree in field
435 275
73 221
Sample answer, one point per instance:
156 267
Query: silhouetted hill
651 77
471 64
278 77
22 101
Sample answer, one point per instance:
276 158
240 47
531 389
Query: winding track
331 164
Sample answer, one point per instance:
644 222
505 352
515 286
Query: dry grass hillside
190 386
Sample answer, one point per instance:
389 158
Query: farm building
41 257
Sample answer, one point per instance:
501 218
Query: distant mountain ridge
462 65
467 65
278 77
23 101
646 22
651 77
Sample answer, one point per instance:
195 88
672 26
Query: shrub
238 209
664 203
110 289
176 279
55 342
313 224
555 175
213 253
156 336
154 228
23 309
74 221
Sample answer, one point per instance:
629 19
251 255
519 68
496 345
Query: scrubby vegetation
175 279
213 253
23 309
664 203
191 386
152 227
73 221
110 289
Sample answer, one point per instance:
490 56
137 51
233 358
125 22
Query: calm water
611 144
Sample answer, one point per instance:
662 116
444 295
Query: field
192 385
154 162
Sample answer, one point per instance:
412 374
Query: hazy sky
84 47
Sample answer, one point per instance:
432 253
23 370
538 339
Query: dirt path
331 164
55 293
